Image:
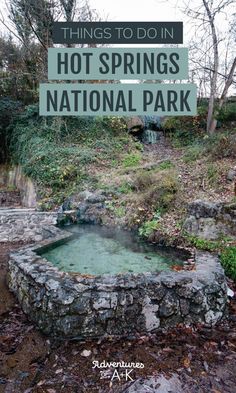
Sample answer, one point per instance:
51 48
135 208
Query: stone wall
26 225
14 177
209 220
74 305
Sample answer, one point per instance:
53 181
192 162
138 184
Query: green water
97 250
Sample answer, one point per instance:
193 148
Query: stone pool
95 250
81 304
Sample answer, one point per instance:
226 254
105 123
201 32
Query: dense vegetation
57 153
64 156
228 260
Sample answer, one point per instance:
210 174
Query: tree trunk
223 95
215 68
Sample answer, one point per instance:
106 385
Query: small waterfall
151 137
151 121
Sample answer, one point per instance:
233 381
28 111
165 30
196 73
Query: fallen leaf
206 367
59 371
176 268
86 353
186 362
40 383
167 349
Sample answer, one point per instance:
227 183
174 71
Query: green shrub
212 174
188 123
120 211
221 145
193 153
149 227
8 111
227 113
46 162
143 180
57 152
228 260
125 188
184 138
158 189
132 159
166 165
116 124
172 123
186 130
203 244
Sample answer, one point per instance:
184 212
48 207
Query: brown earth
204 359
9 198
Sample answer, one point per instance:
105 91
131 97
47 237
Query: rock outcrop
210 220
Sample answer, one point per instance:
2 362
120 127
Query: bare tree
32 19
206 54
223 96
31 22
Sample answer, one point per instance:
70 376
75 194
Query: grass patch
131 160
149 227
166 165
221 145
208 245
217 146
125 188
193 153
158 189
203 244
228 260
118 211
212 174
